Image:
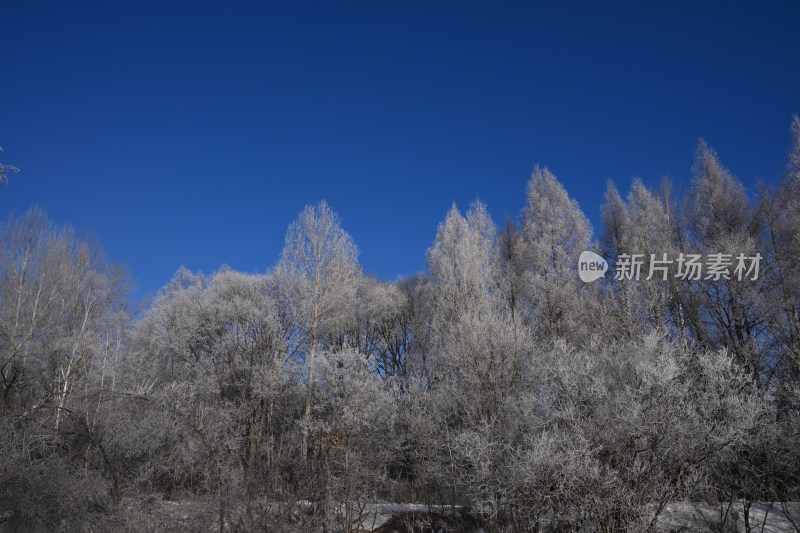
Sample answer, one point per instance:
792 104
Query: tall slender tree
554 233
318 273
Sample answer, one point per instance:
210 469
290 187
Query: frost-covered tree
463 260
382 327
721 219
353 419
614 214
221 374
554 232
57 294
782 304
645 226
318 272
318 276
63 320
511 265
784 238
718 206
5 170
478 346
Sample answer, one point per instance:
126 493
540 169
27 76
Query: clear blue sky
193 133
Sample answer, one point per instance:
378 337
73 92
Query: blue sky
192 133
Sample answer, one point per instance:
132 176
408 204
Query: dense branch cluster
498 380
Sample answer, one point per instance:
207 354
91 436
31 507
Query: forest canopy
496 381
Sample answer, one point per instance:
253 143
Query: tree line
496 380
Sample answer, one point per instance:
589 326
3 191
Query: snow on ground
390 517
687 516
